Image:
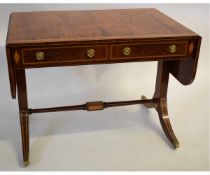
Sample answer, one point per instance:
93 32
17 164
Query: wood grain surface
72 26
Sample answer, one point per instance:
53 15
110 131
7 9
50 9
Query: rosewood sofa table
70 38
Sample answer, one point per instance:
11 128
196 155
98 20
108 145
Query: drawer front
149 50
58 55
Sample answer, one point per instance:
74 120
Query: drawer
149 50
59 54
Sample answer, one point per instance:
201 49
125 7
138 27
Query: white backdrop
122 138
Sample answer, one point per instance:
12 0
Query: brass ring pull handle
91 53
126 51
172 48
40 56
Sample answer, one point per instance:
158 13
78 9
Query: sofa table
71 38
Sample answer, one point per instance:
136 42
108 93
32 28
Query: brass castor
176 145
26 163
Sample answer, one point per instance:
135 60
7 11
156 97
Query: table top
72 26
66 38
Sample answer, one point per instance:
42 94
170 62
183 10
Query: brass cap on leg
26 163
176 145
